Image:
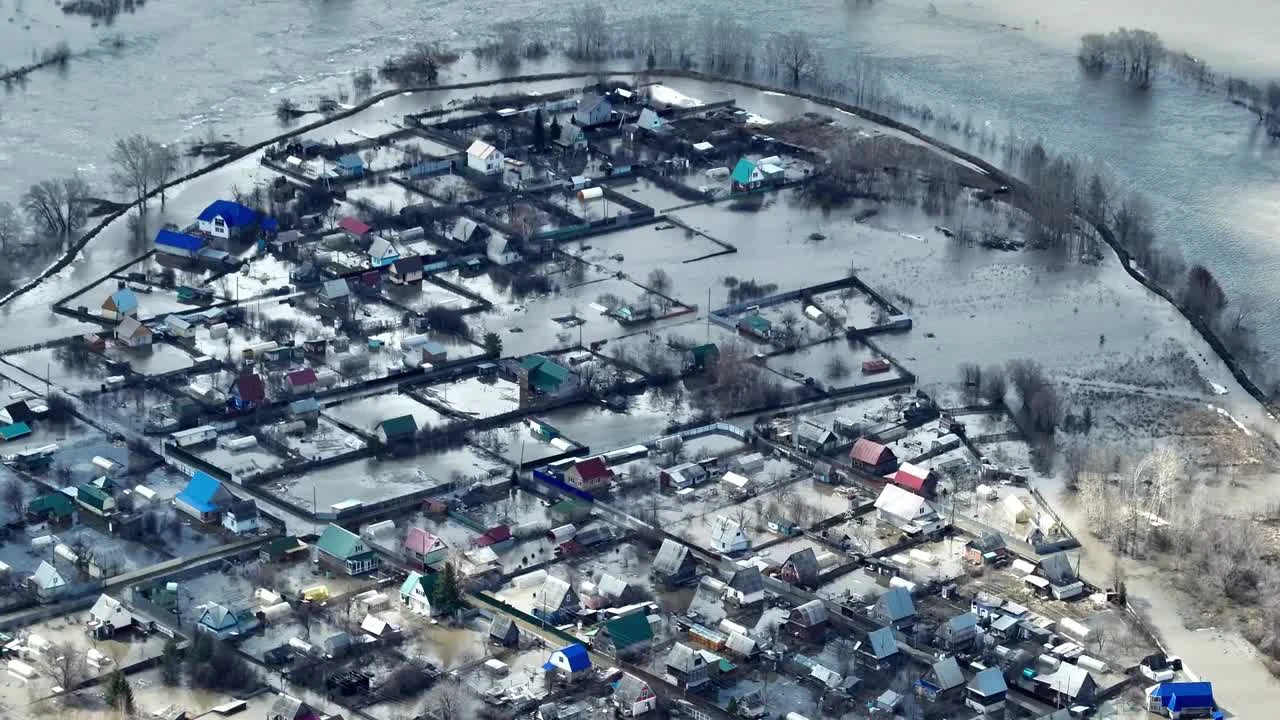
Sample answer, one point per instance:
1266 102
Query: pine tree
554 130
118 694
539 130
651 62
446 596
171 663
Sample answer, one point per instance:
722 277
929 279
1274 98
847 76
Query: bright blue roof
15 431
577 656
126 300
742 171
201 491
350 160
235 214
1179 696
182 241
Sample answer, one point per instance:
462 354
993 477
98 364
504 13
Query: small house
906 511
590 474
501 250
1067 685
895 608
434 352
878 650
746 176
737 486
569 663
495 538
484 158
919 480
745 586
334 293
110 615
728 537
131 333
14 431
355 229
203 498
632 697
811 437
228 220
756 326
301 382
241 517
223 623
872 457
177 326
398 430
406 270
55 508
943 675
306 409
120 304
958 633
542 375
415 592
701 357
464 230
683 476
674 565
555 601
986 550
47 582
503 631
424 549
281 549
290 708
95 500
176 244
344 551
687 669
624 636
248 391
808 621
350 166
801 568
593 110
1182 700
986 692
649 120
1063 582
615 591
382 252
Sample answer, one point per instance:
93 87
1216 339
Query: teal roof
543 373
702 354
629 630
428 582
92 496
15 431
340 543
742 171
758 323
398 427
56 504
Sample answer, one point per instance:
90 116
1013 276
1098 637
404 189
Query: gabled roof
235 214
398 427
47 577
630 688
611 586
340 542
990 681
382 248
14 431
130 328
463 229
201 492
123 300
350 161
305 376
335 289
407 265
963 621
481 150
670 558
629 630
742 171
1178 696
870 452
683 658
809 614
740 644
93 496
56 504
303 406
353 225
553 594
290 708
177 322
415 581
576 655
1057 569
422 542
804 563
251 388
242 510
912 477
502 626
896 605
593 469
901 503
946 673
110 610
815 432
182 241
883 643
218 617
747 580
725 530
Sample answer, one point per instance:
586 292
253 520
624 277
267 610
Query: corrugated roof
398 427
742 171
629 630
990 681
946 673
340 542
47 577
553 595
870 452
912 477
481 150
809 614
593 469
577 656
201 492
901 503
181 241
305 376
670 558
883 643
234 214
355 226
422 542
896 605
251 388
683 658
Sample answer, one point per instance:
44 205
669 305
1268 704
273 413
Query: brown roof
251 388
593 469
305 376
870 452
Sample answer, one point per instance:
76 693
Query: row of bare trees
1135 53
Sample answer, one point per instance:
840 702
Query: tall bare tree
165 162
590 31
57 206
10 226
133 172
12 496
66 664
793 54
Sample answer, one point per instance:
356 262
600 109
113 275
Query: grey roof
896 605
553 594
683 658
805 564
670 557
501 627
748 580
740 644
883 643
947 673
286 708
809 614
337 640
708 601
1067 680
611 586
962 621
630 687
218 617
991 681
1004 623
814 432
242 510
335 289
1057 569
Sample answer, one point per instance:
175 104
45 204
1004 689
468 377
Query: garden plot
646 419
937 561
848 308
866 411
386 196
281 320
374 480
856 588
423 147
456 347
777 554
477 397
260 276
158 359
601 208
228 347
325 440
448 189
128 406
368 412
159 267
242 464
515 444
693 520
837 363
152 697
523 215
153 303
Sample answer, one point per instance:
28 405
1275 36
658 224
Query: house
178 244
1182 700
434 352
484 158
307 409
47 582
755 325
632 697
943 675
382 252
895 608
701 357
683 475
290 708
228 220
355 229
674 565
879 650
808 621
746 586
249 391
241 517
281 549
335 292
624 636
131 333
301 382
746 176
111 615
464 230
986 692
406 270
811 437
986 550
542 375
14 431
495 538
1067 685
55 508
175 325
503 631
95 499
590 474
593 110
501 250
801 568
649 120
872 457
349 165
415 592
223 623
737 486
425 549
569 663
919 480
555 601
1063 583
728 537
687 669
336 645
616 591
343 550
958 633
397 430
120 304
908 512
203 498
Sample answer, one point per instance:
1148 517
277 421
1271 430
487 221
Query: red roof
498 533
305 376
870 452
420 541
913 478
354 226
593 469
250 388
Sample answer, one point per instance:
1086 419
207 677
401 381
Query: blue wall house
349 165
746 176
227 220
120 304
169 242
382 252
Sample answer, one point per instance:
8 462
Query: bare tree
994 385
590 33
837 368
165 161
448 700
65 664
971 380
792 53
1203 295
132 158
10 226
13 496
57 206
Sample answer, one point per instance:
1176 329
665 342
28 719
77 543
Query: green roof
742 171
567 507
758 323
341 543
704 354
92 496
398 427
629 630
15 431
427 581
281 546
543 373
56 504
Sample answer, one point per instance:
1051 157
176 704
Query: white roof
481 149
374 625
381 248
915 471
47 577
736 480
902 503
131 327
703 146
109 610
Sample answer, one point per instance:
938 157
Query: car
1002 190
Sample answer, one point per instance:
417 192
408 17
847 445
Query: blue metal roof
350 161
1178 696
125 299
15 431
235 214
182 241
201 491
577 656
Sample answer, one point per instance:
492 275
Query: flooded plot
847 308
43 434
325 440
374 480
836 364
800 501
479 398
54 366
646 418
424 296
638 251
515 443
590 210
242 464
658 198
366 413
159 359
130 406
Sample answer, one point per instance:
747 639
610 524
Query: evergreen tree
171 662
493 343
554 130
118 694
651 62
539 130
446 596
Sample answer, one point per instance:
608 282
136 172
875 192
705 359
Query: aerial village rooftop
563 404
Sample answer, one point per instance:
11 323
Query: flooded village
571 402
